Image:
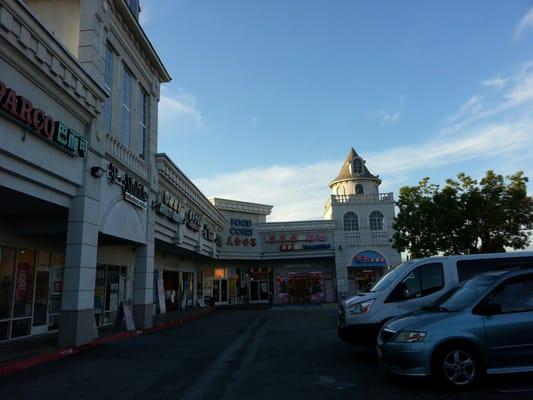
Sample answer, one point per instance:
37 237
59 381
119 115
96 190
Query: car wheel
458 366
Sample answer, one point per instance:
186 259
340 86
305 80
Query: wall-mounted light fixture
97 172
340 247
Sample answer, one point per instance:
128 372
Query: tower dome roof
347 174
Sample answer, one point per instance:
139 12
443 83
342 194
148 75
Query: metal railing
363 198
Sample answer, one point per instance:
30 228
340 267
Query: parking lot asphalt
278 353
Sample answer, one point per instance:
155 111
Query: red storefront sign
21 288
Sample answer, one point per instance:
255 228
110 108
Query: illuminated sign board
208 233
170 207
194 220
296 237
132 190
40 123
241 227
368 258
304 246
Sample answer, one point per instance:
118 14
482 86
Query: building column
77 324
341 274
143 298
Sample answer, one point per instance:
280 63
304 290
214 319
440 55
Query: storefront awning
368 258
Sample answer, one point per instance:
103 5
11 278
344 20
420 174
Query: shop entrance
171 285
365 280
259 291
306 287
220 291
40 304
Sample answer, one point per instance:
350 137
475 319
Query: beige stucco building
93 218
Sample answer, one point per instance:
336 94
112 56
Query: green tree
465 216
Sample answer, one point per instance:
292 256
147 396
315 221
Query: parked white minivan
412 285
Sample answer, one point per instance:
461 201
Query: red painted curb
12 367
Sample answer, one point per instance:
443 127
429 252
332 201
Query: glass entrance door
220 291
223 291
40 304
259 291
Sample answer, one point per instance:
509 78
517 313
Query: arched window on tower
376 221
351 222
359 189
357 166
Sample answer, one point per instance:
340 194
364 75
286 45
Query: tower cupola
354 177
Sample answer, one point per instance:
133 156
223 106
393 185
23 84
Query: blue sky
267 97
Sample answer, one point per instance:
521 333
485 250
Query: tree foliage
464 216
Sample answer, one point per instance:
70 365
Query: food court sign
41 123
368 258
241 233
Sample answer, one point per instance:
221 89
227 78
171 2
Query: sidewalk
24 353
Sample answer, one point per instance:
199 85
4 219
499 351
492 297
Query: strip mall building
92 216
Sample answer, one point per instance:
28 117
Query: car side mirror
491 309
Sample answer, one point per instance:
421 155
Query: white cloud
471 107
484 142
497 83
518 95
522 92
526 23
297 192
493 133
153 11
178 113
145 16
390 117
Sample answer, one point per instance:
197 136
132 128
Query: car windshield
390 277
464 295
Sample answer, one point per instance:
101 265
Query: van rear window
467 269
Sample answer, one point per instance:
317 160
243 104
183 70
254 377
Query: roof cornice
25 31
315 225
140 35
176 177
241 206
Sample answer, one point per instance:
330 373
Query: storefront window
99 294
30 291
4 330
112 293
58 263
281 288
106 293
188 289
171 285
21 327
306 287
7 263
24 284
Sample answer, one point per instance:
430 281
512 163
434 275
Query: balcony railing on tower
363 198
365 237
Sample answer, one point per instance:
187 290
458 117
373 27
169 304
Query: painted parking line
200 388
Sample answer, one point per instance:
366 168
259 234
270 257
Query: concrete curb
12 367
